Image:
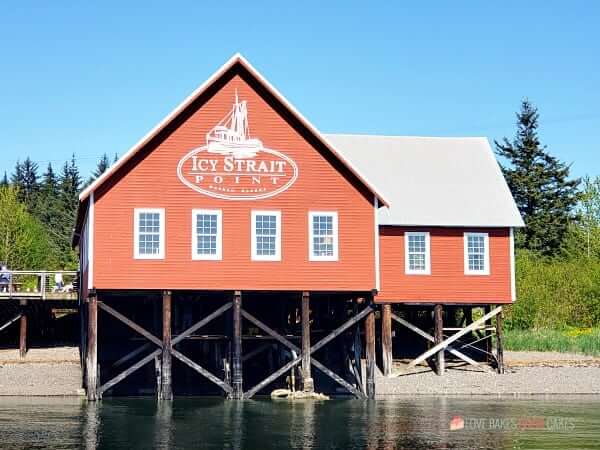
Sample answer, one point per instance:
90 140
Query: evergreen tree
48 199
17 178
540 184
4 182
25 179
103 164
116 158
68 190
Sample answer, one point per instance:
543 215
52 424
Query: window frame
219 237
311 236
486 256
278 228
136 233
427 269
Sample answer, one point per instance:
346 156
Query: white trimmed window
266 235
477 254
323 236
207 234
417 259
149 233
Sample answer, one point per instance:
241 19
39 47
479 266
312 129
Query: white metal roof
433 181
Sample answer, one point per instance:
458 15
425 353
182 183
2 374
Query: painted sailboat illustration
231 136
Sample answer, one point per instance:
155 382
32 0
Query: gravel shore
527 373
43 372
56 372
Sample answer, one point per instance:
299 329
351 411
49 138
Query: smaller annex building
235 245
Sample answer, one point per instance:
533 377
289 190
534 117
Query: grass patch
572 340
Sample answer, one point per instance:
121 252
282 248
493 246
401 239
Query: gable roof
236 59
434 181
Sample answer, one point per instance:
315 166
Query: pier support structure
370 353
236 357
91 360
386 338
439 337
499 342
23 329
307 381
166 391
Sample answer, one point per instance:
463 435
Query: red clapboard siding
447 282
151 181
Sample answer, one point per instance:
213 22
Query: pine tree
25 179
4 182
47 204
17 178
540 183
68 202
103 164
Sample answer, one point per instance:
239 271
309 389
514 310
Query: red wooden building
236 197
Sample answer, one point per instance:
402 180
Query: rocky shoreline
56 372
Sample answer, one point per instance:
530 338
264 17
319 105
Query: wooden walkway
39 285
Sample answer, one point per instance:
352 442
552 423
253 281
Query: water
422 423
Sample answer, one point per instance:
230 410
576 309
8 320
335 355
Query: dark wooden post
439 337
236 363
23 329
307 381
91 360
370 353
166 390
386 338
499 343
488 337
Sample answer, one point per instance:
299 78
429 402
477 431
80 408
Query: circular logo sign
225 176
234 166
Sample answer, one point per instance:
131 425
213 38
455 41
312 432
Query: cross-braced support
447 342
165 349
314 348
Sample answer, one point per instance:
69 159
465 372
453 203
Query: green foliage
540 184
555 293
67 204
573 340
24 243
25 179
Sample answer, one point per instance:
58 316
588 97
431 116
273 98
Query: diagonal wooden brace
335 333
158 342
134 326
454 337
430 338
298 351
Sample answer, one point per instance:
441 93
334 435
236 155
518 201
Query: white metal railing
39 284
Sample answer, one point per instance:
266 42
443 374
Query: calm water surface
423 423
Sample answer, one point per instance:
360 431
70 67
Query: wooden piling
370 353
236 363
23 329
166 390
439 337
386 338
499 343
307 380
91 362
487 342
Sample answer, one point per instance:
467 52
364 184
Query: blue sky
88 79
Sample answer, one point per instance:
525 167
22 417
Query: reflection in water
91 423
215 423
